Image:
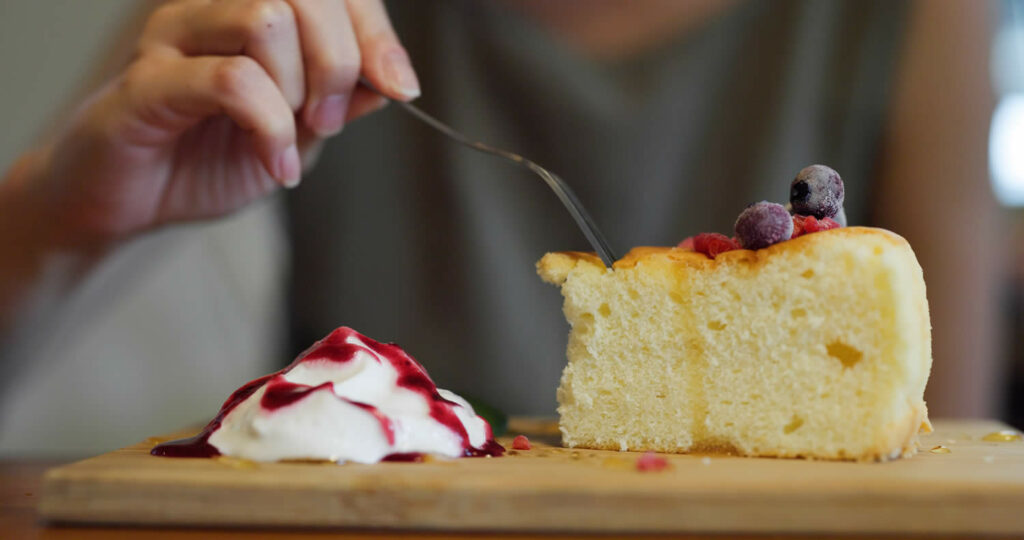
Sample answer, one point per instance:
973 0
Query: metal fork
561 189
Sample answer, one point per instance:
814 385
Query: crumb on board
651 462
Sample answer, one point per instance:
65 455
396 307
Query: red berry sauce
335 348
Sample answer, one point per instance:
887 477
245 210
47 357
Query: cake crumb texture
817 347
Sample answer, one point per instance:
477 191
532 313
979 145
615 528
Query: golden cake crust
554 266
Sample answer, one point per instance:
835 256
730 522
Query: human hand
225 101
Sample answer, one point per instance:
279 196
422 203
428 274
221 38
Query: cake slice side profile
817 347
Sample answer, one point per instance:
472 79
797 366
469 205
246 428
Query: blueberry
817 191
763 224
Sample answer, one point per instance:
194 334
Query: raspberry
798 226
651 462
809 224
763 224
521 442
711 244
826 224
686 244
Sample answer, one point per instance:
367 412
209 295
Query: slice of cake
818 346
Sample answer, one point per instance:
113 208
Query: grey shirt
407 237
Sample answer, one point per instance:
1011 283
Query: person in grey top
666 117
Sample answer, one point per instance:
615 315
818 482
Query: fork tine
579 214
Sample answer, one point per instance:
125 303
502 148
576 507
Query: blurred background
74 388
1006 160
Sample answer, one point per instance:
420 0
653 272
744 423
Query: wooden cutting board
977 487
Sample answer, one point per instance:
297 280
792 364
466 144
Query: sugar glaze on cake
815 347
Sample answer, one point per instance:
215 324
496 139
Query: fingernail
400 74
289 167
328 116
379 104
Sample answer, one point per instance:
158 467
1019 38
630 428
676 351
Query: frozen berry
817 191
798 226
521 442
711 244
651 462
840 217
817 225
809 224
763 224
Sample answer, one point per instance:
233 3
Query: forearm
41 259
204 120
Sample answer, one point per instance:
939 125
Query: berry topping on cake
763 224
651 462
809 224
521 443
711 244
815 204
817 191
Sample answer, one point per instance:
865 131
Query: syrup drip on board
335 348
1005 435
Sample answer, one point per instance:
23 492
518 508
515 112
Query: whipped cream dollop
346 398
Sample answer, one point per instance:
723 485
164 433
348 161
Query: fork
561 189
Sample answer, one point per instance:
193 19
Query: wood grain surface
978 487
